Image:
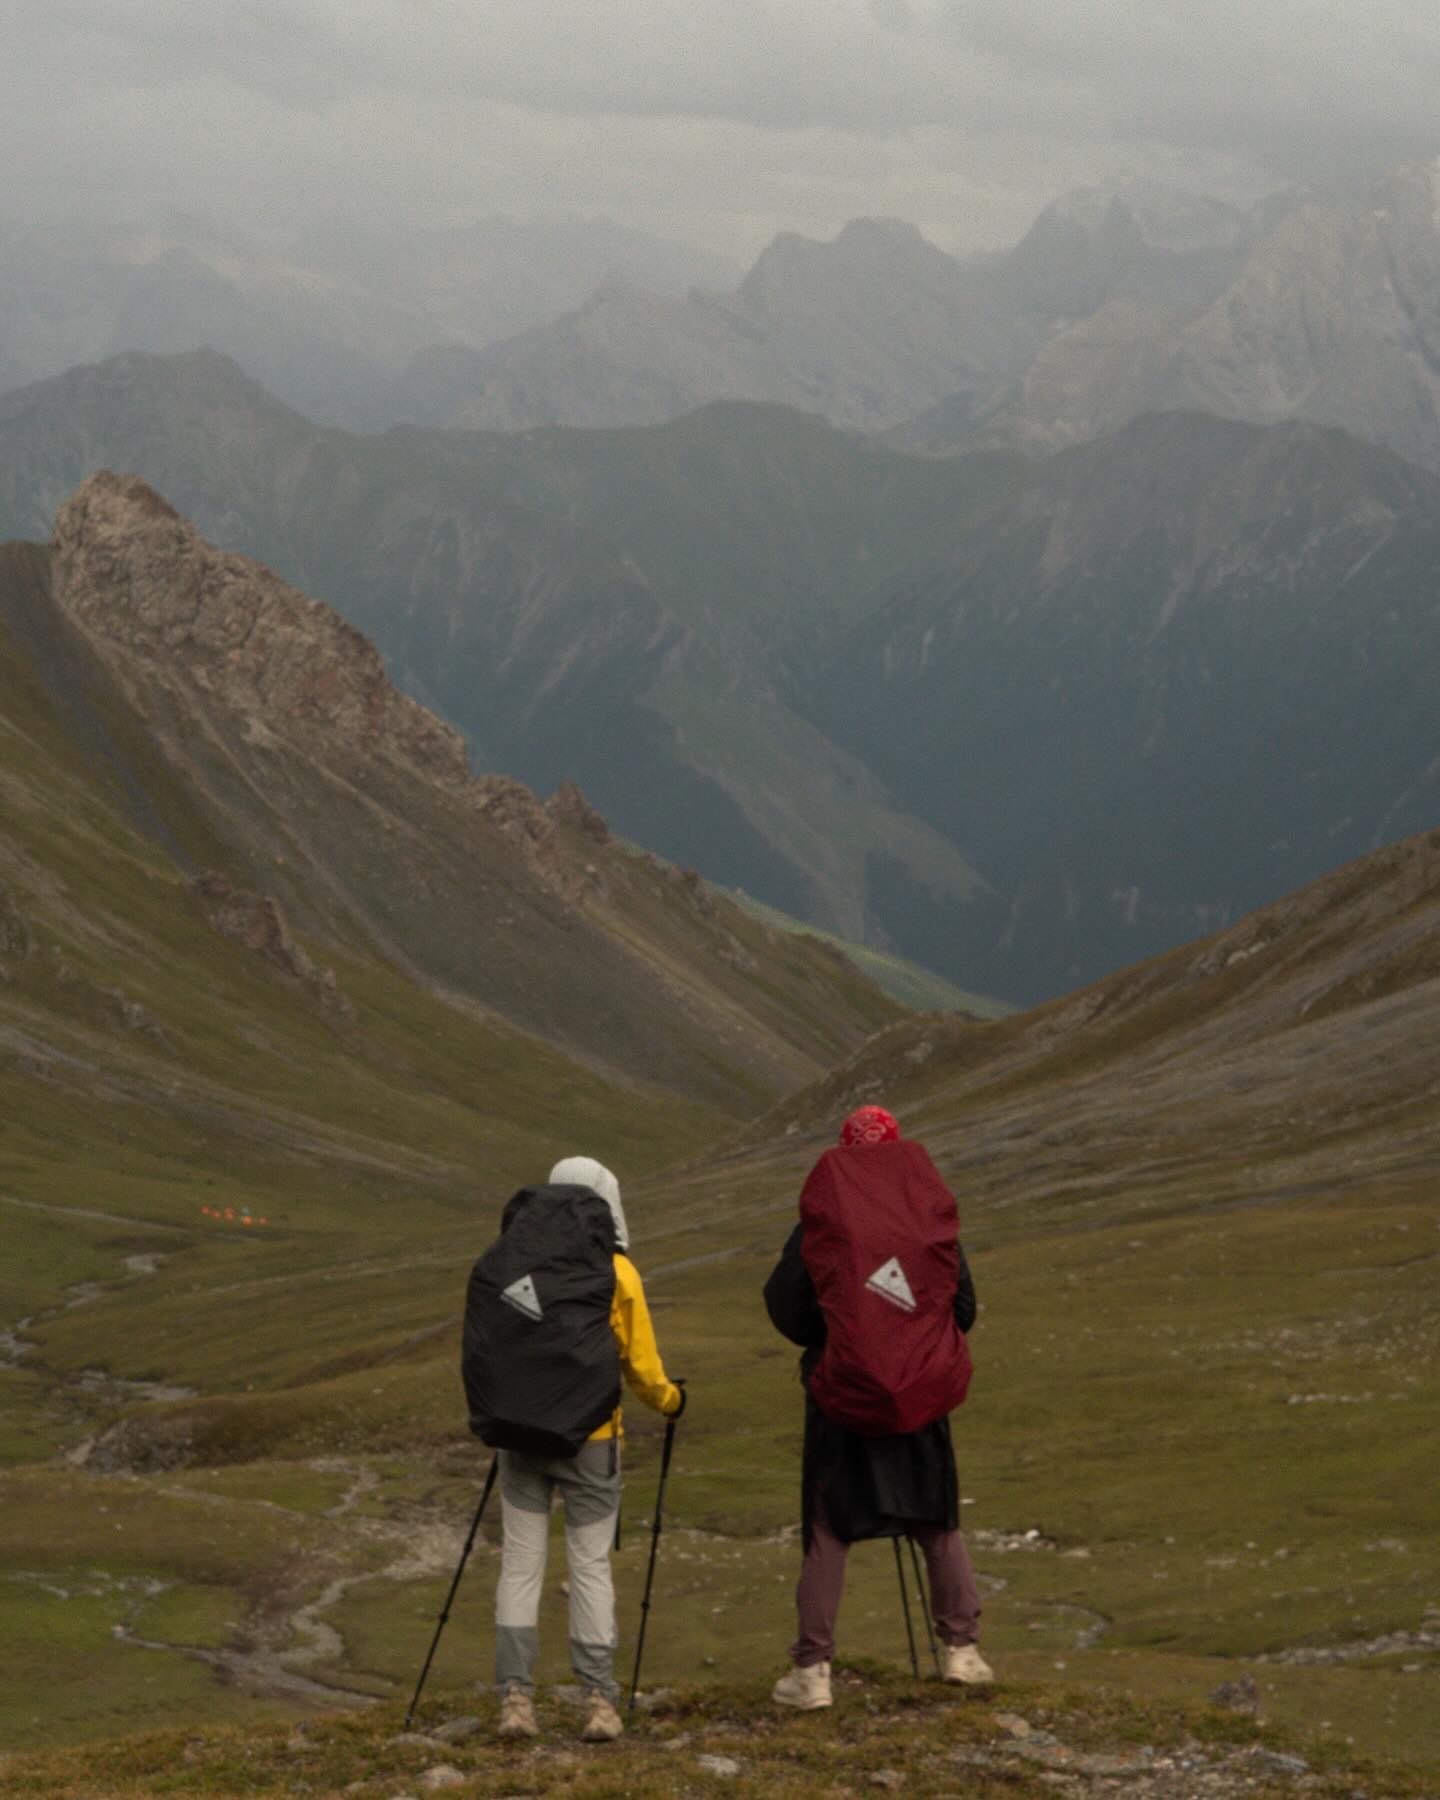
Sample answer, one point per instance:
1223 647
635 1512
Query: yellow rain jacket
639 1353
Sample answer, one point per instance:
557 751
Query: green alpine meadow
293 999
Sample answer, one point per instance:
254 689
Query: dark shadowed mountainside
1185 667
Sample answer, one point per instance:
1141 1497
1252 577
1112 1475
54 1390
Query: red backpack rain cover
880 1244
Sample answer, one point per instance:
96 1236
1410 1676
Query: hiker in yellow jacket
589 1487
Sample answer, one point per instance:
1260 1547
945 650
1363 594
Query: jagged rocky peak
229 635
1161 217
135 574
884 235
886 245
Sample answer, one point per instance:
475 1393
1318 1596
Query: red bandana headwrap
869 1125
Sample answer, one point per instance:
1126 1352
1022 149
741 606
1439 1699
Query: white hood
584 1171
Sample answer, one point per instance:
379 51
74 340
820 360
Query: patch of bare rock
140 579
1176 1772
1392 1643
257 923
138 576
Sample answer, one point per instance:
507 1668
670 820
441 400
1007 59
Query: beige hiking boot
602 1722
517 1714
807 1689
963 1662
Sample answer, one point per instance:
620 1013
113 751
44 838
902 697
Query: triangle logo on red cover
890 1284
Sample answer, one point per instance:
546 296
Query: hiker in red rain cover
874 1286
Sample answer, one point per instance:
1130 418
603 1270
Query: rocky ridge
136 575
1116 303
866 329
139 577
323 807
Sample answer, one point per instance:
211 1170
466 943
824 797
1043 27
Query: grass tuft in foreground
886 1733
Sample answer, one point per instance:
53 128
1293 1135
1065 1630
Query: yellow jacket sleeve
635 1335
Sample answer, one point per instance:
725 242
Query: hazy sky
719 120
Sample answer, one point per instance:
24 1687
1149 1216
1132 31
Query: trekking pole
460 1570
654 1546
905 1603
925 1608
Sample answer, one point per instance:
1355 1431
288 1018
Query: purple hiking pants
954 1597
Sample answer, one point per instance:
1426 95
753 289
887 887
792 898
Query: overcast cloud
720 120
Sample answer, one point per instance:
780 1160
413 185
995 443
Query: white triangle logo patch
889 1283
522 1296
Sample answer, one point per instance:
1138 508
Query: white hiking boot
602 1722
517 1715
807 1689
963 1662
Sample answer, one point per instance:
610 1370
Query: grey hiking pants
588 1486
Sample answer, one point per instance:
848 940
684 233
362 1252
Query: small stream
17 1347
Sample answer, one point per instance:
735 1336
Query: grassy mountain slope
160 1052
1197 1199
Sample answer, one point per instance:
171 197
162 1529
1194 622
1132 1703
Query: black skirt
873 1487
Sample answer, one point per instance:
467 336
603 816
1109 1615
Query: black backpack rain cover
539 1360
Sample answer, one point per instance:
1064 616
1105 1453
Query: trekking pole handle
679 1412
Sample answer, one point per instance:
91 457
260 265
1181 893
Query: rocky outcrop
568 806
257 923
288 670
135 574
534 830
140 578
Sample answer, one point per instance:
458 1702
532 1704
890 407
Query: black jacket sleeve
966 1306
790 1297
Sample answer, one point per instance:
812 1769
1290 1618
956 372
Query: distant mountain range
1026 720
327 321
1115 304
